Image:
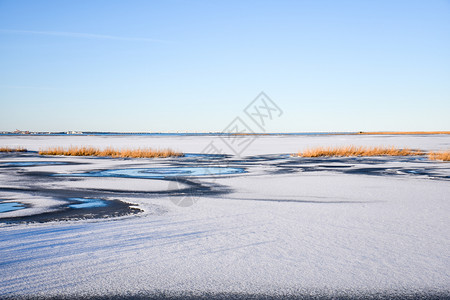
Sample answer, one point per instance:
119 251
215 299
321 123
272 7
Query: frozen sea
235 218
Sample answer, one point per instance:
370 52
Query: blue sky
195 65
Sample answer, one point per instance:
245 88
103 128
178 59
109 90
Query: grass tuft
404 132
441 155
8 149
358 151
110 152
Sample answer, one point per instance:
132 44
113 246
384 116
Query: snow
261 145
115 184
286 226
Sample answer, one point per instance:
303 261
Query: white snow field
286 226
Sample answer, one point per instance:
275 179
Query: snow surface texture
287 226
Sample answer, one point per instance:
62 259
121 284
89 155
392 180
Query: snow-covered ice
286 226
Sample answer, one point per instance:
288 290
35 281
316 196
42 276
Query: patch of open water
30 163
156 173
10 206
87 203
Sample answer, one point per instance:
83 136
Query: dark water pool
87 203
30 163
160 172
10 206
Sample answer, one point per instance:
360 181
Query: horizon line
81 132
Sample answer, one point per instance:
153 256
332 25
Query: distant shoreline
89 133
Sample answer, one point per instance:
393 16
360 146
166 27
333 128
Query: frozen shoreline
287 226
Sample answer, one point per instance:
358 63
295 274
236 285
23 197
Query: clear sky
195 65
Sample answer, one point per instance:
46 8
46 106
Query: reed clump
404 132
8 149
357 151
110 152
439 155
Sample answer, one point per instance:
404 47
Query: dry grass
8 149
357 151
405 132
441 155
110 152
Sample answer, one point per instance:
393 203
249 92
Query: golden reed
8 149
357 151
404 132
440 155
110 152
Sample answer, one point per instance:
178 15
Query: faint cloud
82 35
26 87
